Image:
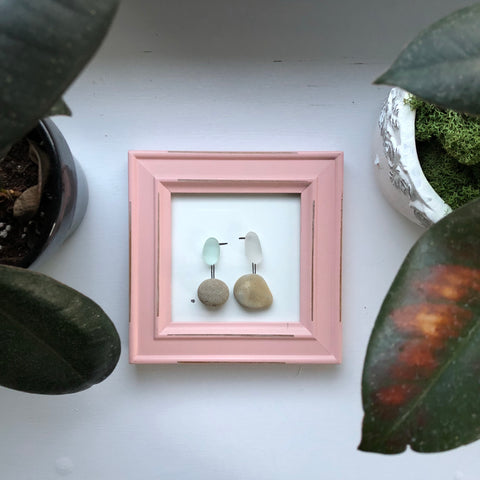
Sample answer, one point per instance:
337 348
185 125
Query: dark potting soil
22 240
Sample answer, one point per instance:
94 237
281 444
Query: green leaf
421 378
53 339
44 44
442 64
60 108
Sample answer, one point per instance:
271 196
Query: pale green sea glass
211 251
253 249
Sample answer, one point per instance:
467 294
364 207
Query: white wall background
228 75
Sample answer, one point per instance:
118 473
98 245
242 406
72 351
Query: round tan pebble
213 292
251 291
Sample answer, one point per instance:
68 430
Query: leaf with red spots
421 378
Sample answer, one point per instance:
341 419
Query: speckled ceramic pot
397 166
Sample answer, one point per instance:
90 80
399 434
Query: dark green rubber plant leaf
53 340
44 44
421 378
59 108
442 64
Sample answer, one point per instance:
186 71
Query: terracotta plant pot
66 196
397 166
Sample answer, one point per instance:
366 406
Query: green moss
458 133
456 184
448 146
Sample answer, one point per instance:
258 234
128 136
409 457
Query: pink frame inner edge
155 176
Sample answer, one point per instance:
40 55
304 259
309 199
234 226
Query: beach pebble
213 292
251 291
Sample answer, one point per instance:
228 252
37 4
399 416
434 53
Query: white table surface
227 75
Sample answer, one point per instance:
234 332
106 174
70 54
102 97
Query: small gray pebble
213 292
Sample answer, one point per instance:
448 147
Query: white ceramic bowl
397 167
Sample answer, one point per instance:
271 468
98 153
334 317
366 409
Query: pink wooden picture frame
315 336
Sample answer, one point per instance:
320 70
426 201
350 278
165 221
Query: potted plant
398 167
54 339
43 196
426 157
421 384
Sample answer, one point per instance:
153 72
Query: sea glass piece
253 249
211 251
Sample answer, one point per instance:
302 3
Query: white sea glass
211 251
253 249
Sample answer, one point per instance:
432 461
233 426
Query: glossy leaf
44 44
60 108
53 339
421 378
442 64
